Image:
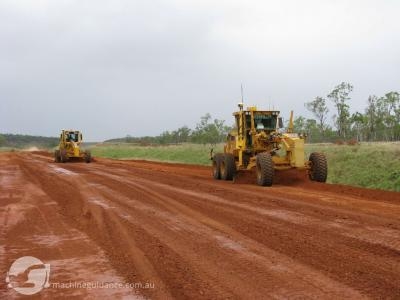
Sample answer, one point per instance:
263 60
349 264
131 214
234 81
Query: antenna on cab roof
241 91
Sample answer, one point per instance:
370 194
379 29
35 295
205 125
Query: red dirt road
173 232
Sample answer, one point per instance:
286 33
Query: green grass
6 149
372 165
184 153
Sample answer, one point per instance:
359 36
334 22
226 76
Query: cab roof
262 112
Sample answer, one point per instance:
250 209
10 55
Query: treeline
207 131
380 120
24 141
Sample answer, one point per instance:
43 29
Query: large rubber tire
63 156
228 167
57 158
88 157
216 165
319 167
264 169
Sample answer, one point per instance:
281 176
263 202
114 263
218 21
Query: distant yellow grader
69 147
257 142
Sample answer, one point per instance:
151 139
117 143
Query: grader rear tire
228 167
63 156
88 157
216 165
319 167
57 158
264 169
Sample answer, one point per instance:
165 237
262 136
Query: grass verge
184 153
371 165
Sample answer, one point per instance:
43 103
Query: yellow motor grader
69 147
257 142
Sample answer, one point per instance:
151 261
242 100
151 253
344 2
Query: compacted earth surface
147 230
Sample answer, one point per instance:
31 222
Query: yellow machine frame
292 143
69 147
266 149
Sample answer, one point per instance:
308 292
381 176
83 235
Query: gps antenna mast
241 90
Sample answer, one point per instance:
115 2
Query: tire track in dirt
350 255
133 180
291 210
33 227
260 287
198 238
387 237
209 230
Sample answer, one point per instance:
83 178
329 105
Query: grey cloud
112 68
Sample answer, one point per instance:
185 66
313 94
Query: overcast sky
112 68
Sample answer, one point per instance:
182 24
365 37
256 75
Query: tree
339 96
183 134
299 124
387 114
359 125
311 129
208 131
129 139
390 114
165 138
307 126
2 140
320 110
396 109
371 113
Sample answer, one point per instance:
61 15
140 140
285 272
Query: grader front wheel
265 169
88 157
216 165
319 167
228 167
57 157
63 156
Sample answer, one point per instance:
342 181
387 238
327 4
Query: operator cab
72 136
264 121
260 126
